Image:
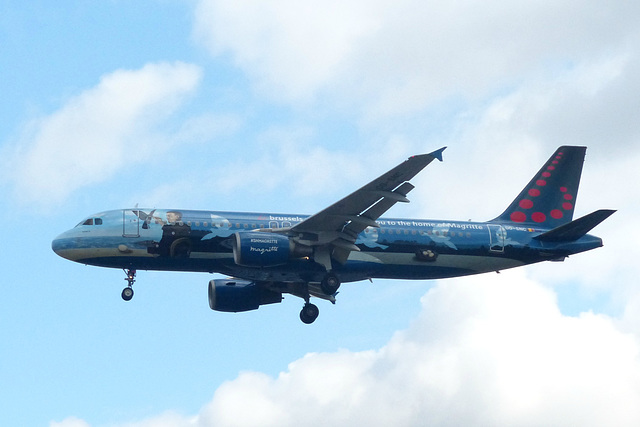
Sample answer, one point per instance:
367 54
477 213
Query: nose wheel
127 293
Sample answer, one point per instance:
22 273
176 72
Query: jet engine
257 249
233 295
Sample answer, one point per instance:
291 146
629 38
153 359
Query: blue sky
286 107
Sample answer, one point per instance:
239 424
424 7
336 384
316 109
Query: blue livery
267 255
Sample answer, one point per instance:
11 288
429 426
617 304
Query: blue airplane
268 255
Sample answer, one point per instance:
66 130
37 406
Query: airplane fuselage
268 255
148 239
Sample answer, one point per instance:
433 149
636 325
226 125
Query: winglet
438 153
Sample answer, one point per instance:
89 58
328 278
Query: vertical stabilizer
550 197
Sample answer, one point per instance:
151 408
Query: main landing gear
330 284
327 290
309 313
127 293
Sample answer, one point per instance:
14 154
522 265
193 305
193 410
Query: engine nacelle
233 295
256 249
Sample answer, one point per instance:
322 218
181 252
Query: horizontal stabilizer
575 229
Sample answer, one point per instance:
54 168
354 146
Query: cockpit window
91 221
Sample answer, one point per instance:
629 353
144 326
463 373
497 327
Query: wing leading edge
334 230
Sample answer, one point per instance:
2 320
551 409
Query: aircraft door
130 223
496 238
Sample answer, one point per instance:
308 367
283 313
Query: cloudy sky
285 106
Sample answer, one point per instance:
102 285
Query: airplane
267 255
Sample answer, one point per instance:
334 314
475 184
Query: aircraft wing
339 224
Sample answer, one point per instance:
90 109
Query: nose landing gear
127 293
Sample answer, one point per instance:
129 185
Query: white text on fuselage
285 218
411 223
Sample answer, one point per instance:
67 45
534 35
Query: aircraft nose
56 246
62 245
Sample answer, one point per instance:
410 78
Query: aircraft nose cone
62 245
56 246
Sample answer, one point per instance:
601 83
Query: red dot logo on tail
538 217
549 198
526 204
518 217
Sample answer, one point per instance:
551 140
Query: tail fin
550 197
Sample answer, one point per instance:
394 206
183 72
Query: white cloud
398 57
500 144
486 350
296 45
69 422
288 157
100 131
204 128
566 73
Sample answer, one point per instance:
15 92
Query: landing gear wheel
309 313
127 293
330 284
